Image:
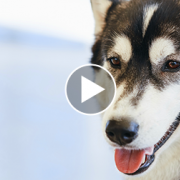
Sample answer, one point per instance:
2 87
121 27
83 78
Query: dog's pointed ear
100 8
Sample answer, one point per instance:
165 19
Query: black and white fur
144 35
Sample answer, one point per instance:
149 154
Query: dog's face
139 43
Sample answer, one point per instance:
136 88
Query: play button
90 89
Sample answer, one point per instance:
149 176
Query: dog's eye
115 62
171 66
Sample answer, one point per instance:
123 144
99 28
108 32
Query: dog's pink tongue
129 161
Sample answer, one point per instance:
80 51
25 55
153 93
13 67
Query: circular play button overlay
90 89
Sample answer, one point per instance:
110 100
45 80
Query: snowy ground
41 136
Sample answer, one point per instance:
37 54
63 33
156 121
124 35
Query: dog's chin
134 162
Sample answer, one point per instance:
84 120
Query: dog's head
139 43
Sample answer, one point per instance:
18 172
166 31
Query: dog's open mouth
133 162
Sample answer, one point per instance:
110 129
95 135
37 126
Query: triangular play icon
89 89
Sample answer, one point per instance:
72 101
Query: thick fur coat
138 41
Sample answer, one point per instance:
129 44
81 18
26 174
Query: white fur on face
123 47
154 113
160 49
148 13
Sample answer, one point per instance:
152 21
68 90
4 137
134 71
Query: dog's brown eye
115 62
171 66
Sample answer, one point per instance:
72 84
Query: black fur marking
128 20
115 1
97 58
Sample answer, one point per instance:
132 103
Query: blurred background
41 136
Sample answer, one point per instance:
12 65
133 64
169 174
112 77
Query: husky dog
138 41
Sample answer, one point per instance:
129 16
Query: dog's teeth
143 160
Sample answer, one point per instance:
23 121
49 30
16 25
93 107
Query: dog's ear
100 8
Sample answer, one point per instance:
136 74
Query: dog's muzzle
134 161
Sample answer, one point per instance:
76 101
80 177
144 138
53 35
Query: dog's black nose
122 132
